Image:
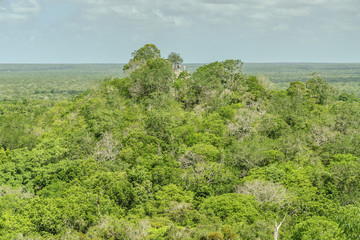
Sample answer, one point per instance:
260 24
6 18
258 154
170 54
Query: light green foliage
206 177
252 153
344 172
348 218
346 115
123 85
218 83
241 212
162 118
18 120
232 208
317 228
173 193
110 228
12 220
254 87
297 89
296 107
216 154
208 152
300 195
176 203
113 185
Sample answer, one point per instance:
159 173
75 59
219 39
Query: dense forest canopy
216 154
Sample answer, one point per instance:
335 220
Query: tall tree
321 91
153 76
175 59
141 56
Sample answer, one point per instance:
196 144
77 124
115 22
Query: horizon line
114 63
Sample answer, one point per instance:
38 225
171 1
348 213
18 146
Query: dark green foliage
344 171
348 97
297 89
175 59
148 51
215 154
254 87
51 81
218 84
141 56
64 81
320 90
154 76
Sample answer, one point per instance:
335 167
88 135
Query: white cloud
18 10
263 15
281 27
158 14
260 15
173 20
12 17
174 11
288 13
25 6
221 2
193 22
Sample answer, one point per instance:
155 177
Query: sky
202 31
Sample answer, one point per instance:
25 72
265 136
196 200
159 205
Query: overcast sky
107 31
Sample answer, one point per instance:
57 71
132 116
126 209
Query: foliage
213 154
317 228
153 77
175 59
141 56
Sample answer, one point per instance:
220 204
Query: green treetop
141 56
175 59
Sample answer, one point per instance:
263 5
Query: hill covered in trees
216 154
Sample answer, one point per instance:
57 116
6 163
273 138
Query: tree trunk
277 228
